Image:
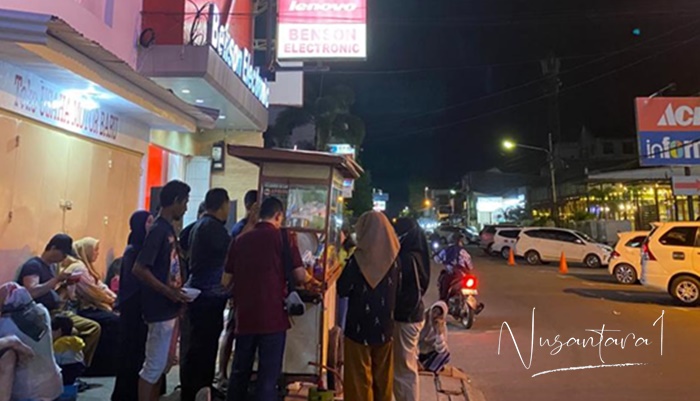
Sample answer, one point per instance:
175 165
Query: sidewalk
428 388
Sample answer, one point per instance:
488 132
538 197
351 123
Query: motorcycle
462 304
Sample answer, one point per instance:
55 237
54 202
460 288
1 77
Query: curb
473 393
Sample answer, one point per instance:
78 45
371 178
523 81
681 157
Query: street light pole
552 170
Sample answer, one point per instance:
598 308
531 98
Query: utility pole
552 175
551 67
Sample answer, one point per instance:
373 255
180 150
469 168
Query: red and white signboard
686 185
322 29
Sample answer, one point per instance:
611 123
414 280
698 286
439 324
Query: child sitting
432 343
68 349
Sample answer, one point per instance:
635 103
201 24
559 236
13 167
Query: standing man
245 224
38 276
185 242
158 267
204 318
257 264
250 199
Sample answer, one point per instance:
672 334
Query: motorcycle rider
456 260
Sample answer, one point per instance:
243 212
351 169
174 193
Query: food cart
310 184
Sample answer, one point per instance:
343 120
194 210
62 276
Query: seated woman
12 352
432 343
27 367
94 301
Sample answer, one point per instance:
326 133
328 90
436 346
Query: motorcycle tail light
469 282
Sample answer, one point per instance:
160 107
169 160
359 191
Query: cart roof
347 166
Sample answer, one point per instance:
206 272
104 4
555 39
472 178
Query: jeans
270 351
201 328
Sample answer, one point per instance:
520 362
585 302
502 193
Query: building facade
102 103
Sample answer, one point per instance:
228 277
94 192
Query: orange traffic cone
511 258
563 267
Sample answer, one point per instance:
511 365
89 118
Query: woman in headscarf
415 277
434 353
91 292
132 329
370 280
95 301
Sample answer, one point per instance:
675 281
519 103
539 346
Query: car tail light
646 251
614 254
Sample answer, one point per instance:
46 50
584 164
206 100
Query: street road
585 299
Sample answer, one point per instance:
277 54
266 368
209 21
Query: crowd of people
172 291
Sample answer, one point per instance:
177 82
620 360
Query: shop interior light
199 101
222 117
185 91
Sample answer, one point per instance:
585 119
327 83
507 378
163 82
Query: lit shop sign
342 149
238 59
75 110
322 29
668 131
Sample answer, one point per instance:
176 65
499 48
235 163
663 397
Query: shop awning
641 174
48 47
199 74
344 163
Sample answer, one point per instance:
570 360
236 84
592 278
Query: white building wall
114 24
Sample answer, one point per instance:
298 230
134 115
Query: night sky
436 90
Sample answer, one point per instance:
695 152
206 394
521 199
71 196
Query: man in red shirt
256 263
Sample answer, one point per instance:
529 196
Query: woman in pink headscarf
370 281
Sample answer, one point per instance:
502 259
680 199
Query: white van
671 260
544 244
503 241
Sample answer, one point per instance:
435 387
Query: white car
544 244
671 260
504 240
625 261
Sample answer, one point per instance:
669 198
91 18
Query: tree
332 119
361 200
416 194
330 114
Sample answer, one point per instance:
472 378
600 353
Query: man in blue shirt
250 199
204 318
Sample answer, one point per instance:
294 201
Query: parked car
671 260
487 233
625 261
539 245
445 232
504 240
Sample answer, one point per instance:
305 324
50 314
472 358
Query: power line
535 99
462 67
542 79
